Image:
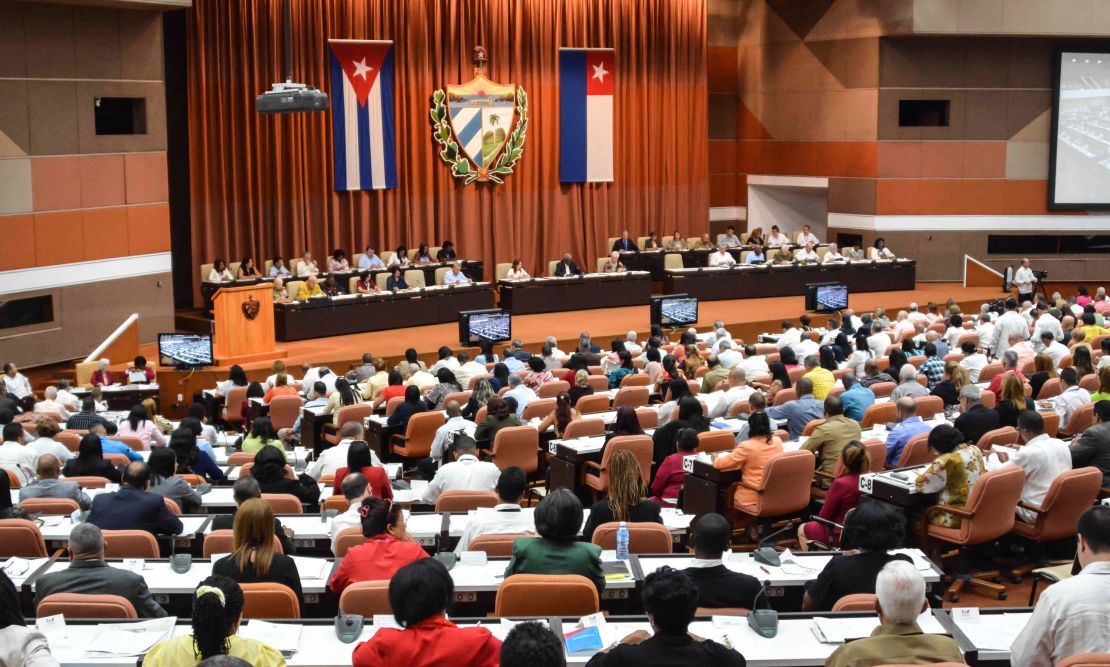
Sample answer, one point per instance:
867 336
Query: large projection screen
1079 175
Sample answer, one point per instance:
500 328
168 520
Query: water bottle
622 541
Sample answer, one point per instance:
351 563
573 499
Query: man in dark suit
133 508
567 267
1092 447
625 244
89 574
244 489
975 419
717 585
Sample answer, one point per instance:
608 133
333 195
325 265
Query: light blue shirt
452 278
318 402
798 413
756 258
856 401
109 446
282 272
523 396
514 364
366 263
899 435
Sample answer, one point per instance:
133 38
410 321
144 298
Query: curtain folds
263 185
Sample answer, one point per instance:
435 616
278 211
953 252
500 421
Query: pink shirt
147 432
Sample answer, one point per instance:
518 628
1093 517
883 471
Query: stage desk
122 396
359 313
593 290
754 282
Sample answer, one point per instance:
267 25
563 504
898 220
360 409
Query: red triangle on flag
361 62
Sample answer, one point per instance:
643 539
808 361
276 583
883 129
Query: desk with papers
593 290
753 282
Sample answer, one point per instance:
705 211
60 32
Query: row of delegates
221 272
139 372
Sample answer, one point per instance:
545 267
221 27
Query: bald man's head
453 409
906 407
48 467
137 474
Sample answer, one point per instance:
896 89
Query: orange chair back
284 411
117 459
1049 389
812 424
338 503
71 440
639 445
990 370
967 338
583 427
598 382
458 500
1052 421
546 595
223 542
637 380
643 538
460 397
496 544
391 404
366 598
879 413
241 459
172 506
88 482
1072 492
795 374
347 538
81 605
648 418
1085 660
539 409
993 501
480 415
631 396
419 435
1007 435
236 396
270 600
475 378
132 441
739 408
915 452
876 455
916 361
786 485
20 537
1089 382
130 544
52 506
988 399
929 406
353 413
882 389
856 602
1081 420
246 469
785 396
553 388
517 446
592 403
283 503
191 479
716 441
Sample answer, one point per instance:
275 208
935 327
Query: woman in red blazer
358 458
388 546
670 477
419 594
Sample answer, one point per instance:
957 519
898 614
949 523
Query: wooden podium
244 329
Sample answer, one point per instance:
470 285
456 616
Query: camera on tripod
1040 275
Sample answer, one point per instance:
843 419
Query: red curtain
263 185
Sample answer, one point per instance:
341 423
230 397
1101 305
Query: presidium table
359 313
593 290
753 282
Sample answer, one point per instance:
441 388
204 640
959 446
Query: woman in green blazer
557 549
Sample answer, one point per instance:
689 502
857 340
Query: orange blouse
750 458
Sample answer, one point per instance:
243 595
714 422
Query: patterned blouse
953 474
534 380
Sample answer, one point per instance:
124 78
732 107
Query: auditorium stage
745 319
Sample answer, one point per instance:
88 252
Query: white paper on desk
283 637
386 621
502 629
310 568
418 484
991 633
16 566
477 558
721 622
919 561
127 639
134 565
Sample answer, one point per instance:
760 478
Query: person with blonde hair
954 379
581 386
1011 400
255 554
1043 370
625 501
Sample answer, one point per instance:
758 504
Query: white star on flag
361 68
599 72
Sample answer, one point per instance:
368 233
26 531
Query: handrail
95 354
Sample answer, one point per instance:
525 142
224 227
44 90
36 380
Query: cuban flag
363 137
586 115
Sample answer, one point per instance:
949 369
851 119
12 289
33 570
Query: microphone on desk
765 622
769 555
179 563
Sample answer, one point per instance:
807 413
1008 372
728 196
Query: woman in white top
219 272
19 644
338 263
881 251
833 255
139 424
955 330
517 272
400 257
859 357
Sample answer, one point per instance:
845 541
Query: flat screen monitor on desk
476 326
184 350
673 310
826 297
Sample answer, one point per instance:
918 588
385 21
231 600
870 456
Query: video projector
291 98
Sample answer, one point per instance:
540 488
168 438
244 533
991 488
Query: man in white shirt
807 237
50 403
738 390
850 315
467 369
454 426
1009 325
555 351
1071 398
446 360
776 238
1023 349
1023 280
1072 616
505 518
807 254
1042 458
879 340
915 315
721 257
466 473
355 489
754 364
720 335
307 267
985 329
789 337
456 276
728 356
15 382
903 327
1055 349
631 346
311 375
973 361
420 378
45 443
805 347
832 255
14 456
523 395
1046 322
370 261
334 458
67 398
